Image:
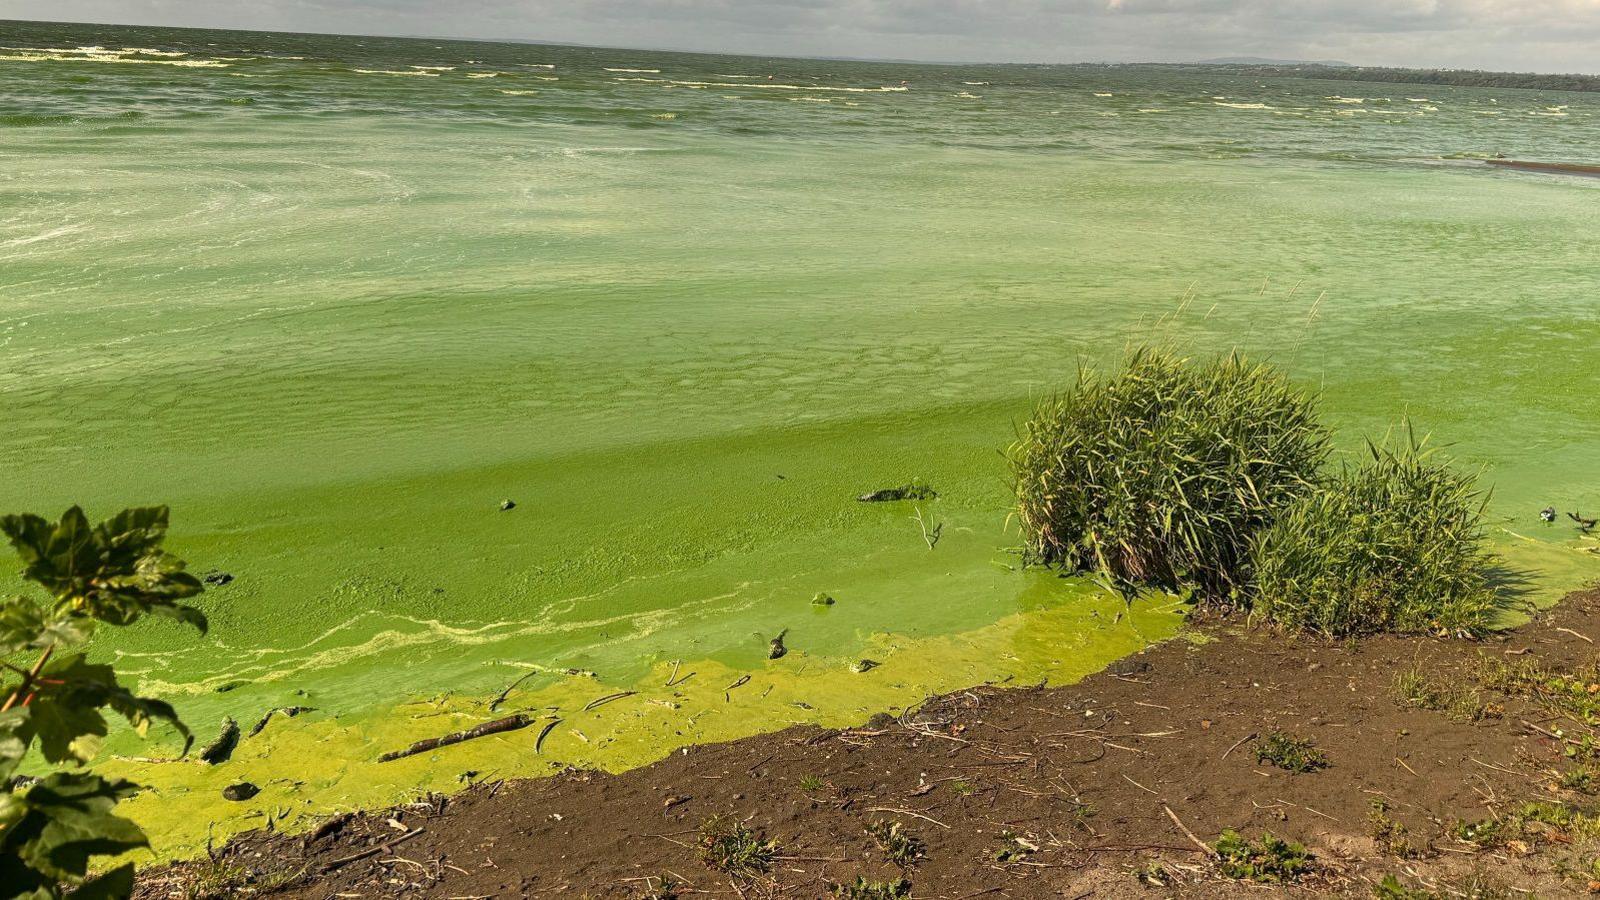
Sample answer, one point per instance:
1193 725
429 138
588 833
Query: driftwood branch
498 726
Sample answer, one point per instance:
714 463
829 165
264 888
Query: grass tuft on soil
862 889
1269 860
898 847
1394 545
734 848
1163 473
1290 753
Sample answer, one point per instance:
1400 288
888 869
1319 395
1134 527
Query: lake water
334 299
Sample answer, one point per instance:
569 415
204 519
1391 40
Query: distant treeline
1458 77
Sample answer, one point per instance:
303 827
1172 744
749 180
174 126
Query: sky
1518 35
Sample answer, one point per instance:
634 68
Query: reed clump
1209 477
1163 474
1393 545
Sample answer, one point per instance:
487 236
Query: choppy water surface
335 298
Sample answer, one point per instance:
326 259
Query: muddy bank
1104 788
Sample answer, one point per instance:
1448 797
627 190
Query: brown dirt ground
1085 775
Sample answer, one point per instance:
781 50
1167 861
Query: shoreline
1021 792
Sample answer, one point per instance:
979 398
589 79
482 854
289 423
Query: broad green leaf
78 824
115 571
67 731
65 712
15 733
12 809
27 625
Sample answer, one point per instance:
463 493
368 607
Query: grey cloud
1541 35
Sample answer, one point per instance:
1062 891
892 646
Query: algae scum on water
335 299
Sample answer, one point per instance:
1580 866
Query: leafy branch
116 573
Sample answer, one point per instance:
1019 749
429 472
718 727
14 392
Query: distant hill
1263 61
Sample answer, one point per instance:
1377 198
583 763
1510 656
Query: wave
537 65
110 57
433 68
643 71
772 87
518 93
397 72
1242 105
1346 99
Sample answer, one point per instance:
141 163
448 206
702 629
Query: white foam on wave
975 83
482 74
396 72
1346 99
968 95
640 71
434 68
518 93
1242 105
107 57
537 65
772 87
1102 94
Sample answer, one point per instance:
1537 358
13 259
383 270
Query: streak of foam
774 87
640 71
69 57
397 72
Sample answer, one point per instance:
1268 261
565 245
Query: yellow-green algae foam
309 767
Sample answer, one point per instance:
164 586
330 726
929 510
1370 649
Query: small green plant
1390 888
1536 821
898 847
1290 753
1389 833
962 788
1014 847
661 887
1458 702
812 783
1395 545
1154 875
114 573
862 889
1269 860
1162 474
1582 779
732 847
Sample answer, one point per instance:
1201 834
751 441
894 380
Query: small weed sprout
1290 753
1390 888
810 784
1269 860
1015 847
1389 833
1459 703
898 847
962 788
662 887
735 848
862 889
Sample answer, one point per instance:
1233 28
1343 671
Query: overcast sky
1533 35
